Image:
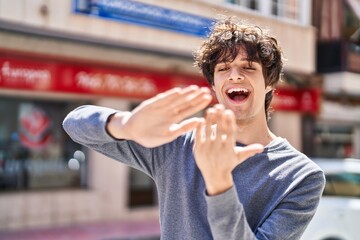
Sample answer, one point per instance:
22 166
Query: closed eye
249 68
222 68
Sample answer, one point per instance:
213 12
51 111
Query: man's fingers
244 153
199 133
209 120
185 126
219 121
162 99
179 104
190 98
230 129
197 105
225 125
175 97
165 98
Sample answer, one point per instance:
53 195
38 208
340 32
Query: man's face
240 86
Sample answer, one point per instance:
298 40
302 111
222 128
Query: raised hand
215 150
162 118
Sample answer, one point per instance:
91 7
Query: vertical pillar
304 10
265 7
356 141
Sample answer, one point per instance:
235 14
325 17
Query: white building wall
107 196
288 125
299 46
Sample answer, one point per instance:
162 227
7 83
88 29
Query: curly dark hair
227 38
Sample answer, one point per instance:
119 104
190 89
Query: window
35 151
285 8
342 184
142 189
251 4
334 141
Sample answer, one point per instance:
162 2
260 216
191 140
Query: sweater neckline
273 145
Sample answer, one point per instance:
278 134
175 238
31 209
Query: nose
239 78
235 75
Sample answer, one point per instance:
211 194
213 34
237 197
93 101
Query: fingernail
205 89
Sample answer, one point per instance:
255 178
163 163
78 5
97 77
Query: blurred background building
337 130
57 55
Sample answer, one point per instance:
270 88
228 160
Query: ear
268 89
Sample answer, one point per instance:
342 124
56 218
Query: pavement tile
115 230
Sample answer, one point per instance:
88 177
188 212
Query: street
115 230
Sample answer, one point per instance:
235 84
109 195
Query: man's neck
249 132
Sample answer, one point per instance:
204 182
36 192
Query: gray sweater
275 195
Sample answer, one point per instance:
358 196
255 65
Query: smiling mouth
237 94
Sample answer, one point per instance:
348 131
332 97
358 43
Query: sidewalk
115 230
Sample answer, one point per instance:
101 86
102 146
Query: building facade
337 130
57 55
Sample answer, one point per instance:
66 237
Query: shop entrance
35 152
142 190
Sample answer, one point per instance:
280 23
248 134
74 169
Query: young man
230 178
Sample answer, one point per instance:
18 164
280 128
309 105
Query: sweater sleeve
288 220
86 125
292 215
226 217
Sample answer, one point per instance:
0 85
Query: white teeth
231 90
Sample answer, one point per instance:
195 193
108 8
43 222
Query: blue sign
146 15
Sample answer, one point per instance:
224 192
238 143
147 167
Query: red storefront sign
57 76
27 73
299 100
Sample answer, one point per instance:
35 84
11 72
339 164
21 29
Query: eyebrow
242 60
257 61
248 60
